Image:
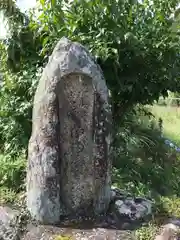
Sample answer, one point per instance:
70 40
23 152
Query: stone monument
69 167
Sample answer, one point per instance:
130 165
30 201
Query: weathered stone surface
168 232
126 205
52 233
16 225
69 168
7 229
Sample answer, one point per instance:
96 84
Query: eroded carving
69 168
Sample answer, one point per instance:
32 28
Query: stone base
55 233
134 208
125 214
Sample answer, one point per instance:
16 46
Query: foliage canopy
132 41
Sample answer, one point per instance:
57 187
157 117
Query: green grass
62 237
12 174
171 121
169 205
